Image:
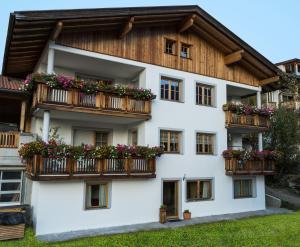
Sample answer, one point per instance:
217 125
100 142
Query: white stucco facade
59 206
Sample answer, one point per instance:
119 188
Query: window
185 51
170 140
243 188
205 143
101 139
10 186
97 195
204 94
133 137
286 98
289 68
170 46
170 89
198 190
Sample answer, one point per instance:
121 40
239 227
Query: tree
284 136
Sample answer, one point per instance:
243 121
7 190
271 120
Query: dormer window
170 46
185 51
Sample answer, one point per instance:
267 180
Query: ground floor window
10 186
199 189
96 195
243 188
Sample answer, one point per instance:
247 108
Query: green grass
275 230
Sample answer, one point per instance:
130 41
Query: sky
269 26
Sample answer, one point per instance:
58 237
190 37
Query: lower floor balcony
234 166
41 168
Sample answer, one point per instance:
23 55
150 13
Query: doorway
170 198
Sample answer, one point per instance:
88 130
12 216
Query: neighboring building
280 97
189 60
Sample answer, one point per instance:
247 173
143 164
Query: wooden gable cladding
147 45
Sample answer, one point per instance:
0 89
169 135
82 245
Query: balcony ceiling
96 67
29 32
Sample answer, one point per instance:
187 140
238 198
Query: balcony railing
292 104
235 166
9 139
40 168
101 103
256 121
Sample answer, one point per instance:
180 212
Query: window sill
206 154
175 101
187 58
199 200
243 197
95 208
210 106
170 54
165 152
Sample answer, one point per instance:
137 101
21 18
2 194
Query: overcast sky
270 26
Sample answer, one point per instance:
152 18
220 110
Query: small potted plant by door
163 214
186 214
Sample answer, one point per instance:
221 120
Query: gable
148 45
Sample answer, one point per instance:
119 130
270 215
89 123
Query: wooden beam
22 117
187 23
56 31
127 28
269 80
233 57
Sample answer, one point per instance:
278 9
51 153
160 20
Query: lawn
276 230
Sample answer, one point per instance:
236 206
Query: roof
294 60
9 84
29 32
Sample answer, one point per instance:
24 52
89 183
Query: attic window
185 51
170 46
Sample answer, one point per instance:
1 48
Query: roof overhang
30 31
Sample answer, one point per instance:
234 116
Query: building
191 62
283 97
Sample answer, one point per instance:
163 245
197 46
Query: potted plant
187 214
163 214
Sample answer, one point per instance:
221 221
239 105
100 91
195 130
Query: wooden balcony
254 121
292 104
101 103
40 168
234 166
9 139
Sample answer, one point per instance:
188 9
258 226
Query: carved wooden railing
235 166
40 168
243 120
9 139
100 100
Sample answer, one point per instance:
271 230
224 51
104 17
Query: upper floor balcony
240 162
291 104
242 116
64 93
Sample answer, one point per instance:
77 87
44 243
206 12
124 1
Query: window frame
199 180
6 181
188 52
171 79
179 143
107 192
252 186
204 86
101 132
130 137
174 43
213 145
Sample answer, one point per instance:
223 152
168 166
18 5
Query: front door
170 198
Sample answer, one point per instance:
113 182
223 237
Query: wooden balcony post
99 165
70 96
22 117
36 160
99 98
153 166
44 93
128 163
125 102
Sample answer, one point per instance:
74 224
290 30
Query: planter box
12 232
162 215
187 215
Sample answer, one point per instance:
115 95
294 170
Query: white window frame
11 191
213 93
253 179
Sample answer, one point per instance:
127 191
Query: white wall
138 201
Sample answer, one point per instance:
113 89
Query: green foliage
268 231
284 137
